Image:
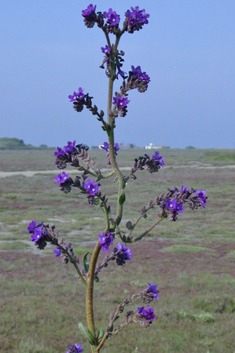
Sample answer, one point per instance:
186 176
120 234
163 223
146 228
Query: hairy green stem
75 265
94 258
89 291
110 134
147 231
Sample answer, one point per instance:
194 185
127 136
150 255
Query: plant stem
89 291
147 231
110 134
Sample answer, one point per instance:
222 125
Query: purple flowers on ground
147 313
61 178
156 156
90 187
105 240
112 18
75 348
152 288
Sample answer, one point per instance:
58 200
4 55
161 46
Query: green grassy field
192 260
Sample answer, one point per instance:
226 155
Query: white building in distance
151 146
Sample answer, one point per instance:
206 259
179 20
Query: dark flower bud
129 313
129 225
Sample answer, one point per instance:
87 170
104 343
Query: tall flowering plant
170 204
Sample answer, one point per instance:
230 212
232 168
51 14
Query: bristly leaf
96 279
122 198
99 177
85 262
101 333
87 334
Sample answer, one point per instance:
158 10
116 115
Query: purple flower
171 204
121 73
174 206
69 245
70 148
122 254
89 16
73 96
91 187
106 147
153 289
59 152
183 188
105 49
36 236
32 226
137 18
116 147
156 156
112 18
80 94
75 348
76 95
89 10
61 178
57 251
120 101
148 314
201 194
105 240
179 207
139 75
138 79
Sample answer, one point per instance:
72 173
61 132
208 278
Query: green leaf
101 333
99 177
85 261
87 334
122 198
96 279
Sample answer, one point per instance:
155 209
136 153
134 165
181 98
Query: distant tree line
7 143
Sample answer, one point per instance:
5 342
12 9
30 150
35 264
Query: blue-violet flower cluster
106 239
75 348
136 19
90 187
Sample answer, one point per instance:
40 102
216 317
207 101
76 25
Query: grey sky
187 49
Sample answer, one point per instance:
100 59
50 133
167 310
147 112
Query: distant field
191 260
44 159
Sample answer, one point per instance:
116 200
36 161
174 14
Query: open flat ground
192 260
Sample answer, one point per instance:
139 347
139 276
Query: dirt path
31 173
